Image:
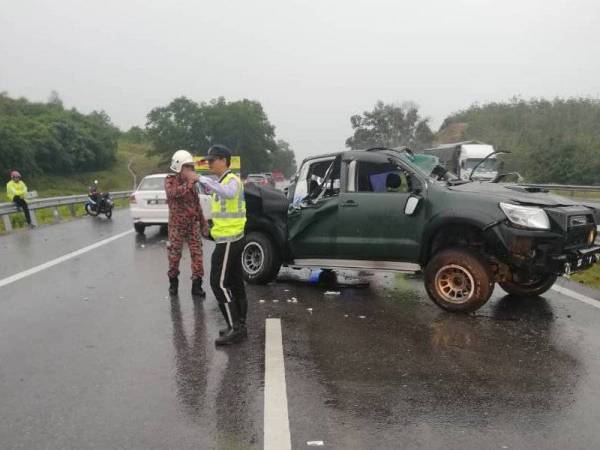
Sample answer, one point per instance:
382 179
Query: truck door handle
349 204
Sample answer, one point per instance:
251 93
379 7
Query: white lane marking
277 425
577 296
60 259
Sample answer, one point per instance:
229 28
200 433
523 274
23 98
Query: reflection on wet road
93 354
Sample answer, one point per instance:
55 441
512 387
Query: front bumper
534 251
578 260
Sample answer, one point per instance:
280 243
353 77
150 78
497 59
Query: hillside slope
117 178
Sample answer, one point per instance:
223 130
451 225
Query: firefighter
186 221
228 224
16 191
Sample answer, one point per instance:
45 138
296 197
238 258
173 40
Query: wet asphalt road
94 355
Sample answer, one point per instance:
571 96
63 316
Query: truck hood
514 193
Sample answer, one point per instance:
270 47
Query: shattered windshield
429 166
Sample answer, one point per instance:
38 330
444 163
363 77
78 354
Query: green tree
390 125
555 141
46 138
283 159
135 135
242 125
179 125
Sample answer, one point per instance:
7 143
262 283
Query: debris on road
275 301
261 301
315 443
332 293
309 310
362 317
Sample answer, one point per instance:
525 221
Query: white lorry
461 158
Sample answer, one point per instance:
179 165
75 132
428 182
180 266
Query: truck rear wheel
459 279
261 260
531 288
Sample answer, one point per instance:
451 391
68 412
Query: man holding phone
186 221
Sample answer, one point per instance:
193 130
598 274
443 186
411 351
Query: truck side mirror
411 205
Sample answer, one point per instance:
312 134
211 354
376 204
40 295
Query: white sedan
148 204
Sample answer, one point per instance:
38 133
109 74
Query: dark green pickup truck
380 209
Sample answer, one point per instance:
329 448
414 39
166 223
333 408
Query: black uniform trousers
227 281
21 203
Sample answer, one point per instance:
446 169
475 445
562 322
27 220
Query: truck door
372 222
312 214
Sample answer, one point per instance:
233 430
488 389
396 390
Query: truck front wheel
459 279
260 259
530 288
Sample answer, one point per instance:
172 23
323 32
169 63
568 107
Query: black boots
173 285
233 336
237 332
197 288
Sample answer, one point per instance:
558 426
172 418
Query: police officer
228 223
186 221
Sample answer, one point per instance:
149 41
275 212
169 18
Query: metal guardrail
6 209
566 187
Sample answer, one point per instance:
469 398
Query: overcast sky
312 64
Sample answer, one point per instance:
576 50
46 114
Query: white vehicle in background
461 158
148 204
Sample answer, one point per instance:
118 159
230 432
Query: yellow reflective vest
16 188
228 214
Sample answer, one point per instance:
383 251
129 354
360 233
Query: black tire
140 228
261 259
530 289
109 213
459 279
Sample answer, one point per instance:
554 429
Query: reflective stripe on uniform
226 215
229 238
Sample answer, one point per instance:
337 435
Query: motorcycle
98 202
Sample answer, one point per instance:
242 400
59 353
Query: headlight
526 216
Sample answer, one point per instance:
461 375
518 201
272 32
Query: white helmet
180 157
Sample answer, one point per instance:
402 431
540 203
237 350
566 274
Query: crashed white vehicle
148 204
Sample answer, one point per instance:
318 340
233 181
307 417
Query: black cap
218 151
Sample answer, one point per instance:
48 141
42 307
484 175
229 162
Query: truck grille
577 237
578 231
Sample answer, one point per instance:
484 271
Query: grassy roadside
46 216
117 178
589 278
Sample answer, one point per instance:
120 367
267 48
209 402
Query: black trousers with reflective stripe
227 281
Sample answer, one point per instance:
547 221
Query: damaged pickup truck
381 209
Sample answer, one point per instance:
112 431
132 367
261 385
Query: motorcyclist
96 195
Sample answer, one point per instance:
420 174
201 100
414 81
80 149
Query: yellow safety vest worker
16 188
228 214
